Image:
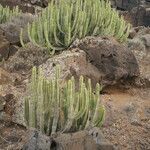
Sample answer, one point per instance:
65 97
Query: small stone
2 103
135 120
3 116
33 1
132 34
129 108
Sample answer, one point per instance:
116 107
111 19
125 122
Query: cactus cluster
6 13
51 108
61 23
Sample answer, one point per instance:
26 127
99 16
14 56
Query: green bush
60 24
6 13
52 108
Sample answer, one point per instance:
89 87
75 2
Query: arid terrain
122 69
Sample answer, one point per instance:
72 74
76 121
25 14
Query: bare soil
127 124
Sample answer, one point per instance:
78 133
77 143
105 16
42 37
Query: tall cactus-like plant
6 13
61 23
51 109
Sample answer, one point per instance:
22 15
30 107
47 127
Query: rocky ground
122 69
128 118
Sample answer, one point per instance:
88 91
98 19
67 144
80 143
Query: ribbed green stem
6 13
60 24
50 108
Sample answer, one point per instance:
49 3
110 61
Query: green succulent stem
6 13
61 23
51 108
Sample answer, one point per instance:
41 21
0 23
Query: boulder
92 140
26 57
37 141
6 49
140 46
125 4
88 140
72 63
114 61
12 28
140 15
138 11
24 5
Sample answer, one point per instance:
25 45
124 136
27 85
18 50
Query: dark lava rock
30 6
24 5
140 46
141 15
138 10
26 57
82 140
37 141
126 4
114 60
42 3
12 28
4 48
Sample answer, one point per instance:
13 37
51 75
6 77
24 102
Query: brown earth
127 123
